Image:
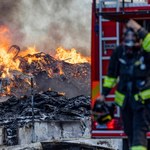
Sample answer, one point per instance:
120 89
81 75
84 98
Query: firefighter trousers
135 117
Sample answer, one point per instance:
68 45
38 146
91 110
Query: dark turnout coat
130 71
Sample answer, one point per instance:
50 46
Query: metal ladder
103 39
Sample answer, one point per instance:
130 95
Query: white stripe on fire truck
107 132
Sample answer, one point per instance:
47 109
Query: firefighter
129 68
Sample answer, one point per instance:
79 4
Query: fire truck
108 20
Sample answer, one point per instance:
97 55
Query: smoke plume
48 24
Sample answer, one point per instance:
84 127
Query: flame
32 58
5 37
30 50
60 69
9 62
71 56
62 93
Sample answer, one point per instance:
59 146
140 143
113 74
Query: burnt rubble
48 106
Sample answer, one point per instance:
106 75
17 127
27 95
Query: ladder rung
111 96
126 5
109 0
109 38
105 20
106 58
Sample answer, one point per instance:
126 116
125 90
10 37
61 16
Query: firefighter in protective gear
129 68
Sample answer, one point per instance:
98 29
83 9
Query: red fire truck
108 20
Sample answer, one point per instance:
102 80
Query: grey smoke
48 24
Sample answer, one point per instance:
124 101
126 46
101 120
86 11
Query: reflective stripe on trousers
138 148
119 98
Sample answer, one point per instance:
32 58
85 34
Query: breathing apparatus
131 41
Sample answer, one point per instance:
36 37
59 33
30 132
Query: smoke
48 24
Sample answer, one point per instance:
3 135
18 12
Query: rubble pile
28 77
48 106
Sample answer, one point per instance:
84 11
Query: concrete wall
75 131
1 135
54 130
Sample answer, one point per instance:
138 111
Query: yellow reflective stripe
138 148
146 43
136 96
119 98
144 95
95 91
108 117
109 82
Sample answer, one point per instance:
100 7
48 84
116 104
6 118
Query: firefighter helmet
102 112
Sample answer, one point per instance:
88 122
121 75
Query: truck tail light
111 124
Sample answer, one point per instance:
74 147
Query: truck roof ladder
124 13
103 39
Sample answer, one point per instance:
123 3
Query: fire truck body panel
106 35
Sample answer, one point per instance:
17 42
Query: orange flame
6 59
71 56
29 50
60 69
5 37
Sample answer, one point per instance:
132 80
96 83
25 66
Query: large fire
10 57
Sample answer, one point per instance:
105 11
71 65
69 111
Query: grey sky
48 24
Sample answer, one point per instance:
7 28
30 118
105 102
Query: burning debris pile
26 74
66 71
37 73
72 79
47 71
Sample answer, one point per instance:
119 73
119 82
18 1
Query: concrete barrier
1 135
55 130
